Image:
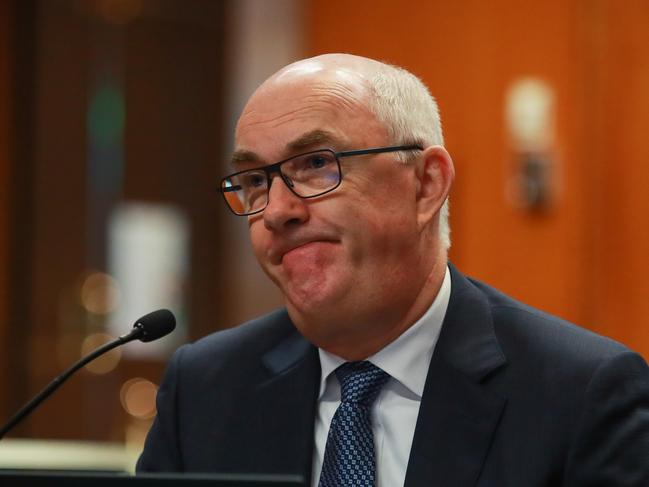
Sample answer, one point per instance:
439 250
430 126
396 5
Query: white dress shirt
394 413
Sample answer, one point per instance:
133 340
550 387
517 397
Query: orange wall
583 258
622 148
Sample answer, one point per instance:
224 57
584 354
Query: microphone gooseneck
148 328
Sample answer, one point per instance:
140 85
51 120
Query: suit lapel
287 402
458 415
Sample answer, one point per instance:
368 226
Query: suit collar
291 350
287 404
458 415
468 341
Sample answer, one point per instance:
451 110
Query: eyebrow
309 139
243 156
305 141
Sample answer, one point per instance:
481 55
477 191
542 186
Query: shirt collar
407 358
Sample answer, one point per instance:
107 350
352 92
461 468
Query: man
387 367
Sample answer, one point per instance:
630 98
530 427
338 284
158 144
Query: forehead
300 115
316 138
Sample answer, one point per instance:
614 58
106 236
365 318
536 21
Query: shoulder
525 329
587 395
234 351
556 354
251 336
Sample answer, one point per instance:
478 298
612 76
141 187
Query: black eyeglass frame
271 169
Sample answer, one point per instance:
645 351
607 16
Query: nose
284 208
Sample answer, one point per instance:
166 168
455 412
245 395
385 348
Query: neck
369 334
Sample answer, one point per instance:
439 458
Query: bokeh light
138 397
100 293
106 362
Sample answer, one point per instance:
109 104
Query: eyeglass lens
306 175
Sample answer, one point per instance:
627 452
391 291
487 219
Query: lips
278 252
305 247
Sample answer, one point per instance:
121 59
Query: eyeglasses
307 175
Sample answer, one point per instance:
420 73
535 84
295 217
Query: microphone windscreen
156 325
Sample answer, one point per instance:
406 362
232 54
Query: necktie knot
360 382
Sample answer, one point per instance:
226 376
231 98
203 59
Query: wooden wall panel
57 227
168 62
5 156
568 259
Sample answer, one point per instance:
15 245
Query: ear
435 174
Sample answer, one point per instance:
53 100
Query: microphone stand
135 333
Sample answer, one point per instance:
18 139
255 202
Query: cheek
259 240
385 229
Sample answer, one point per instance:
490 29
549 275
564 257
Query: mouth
305 246
302 247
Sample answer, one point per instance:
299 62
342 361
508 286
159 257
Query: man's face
347 258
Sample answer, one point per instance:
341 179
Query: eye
317 161
255 180
309 166
320 160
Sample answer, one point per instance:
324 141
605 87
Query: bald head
397 99
347 66
341 78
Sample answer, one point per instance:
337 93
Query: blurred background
116 122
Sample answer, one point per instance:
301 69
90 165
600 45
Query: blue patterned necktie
349 455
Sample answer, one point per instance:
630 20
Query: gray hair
403 103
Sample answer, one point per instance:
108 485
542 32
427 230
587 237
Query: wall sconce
530 126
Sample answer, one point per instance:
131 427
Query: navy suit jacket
513 397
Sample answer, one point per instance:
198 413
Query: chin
316 298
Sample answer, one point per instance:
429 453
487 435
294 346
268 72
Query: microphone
151 326
148 328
